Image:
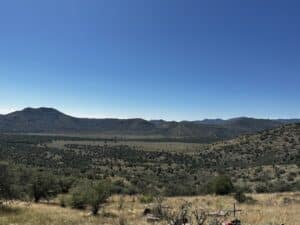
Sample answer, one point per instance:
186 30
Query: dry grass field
270 209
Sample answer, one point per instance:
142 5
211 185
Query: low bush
240 197
91 194
221 185
43 186
63 201
147 198
7 191
78 197
97 194
262 188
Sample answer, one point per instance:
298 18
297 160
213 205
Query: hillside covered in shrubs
264 162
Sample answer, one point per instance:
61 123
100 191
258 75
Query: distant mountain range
48 120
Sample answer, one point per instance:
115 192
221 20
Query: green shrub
281 186
297 186
240 197
147 198
132 190
43 186
65 183
78 197
63 201
91 194
221 185
120 187
262 188
6 182
96 194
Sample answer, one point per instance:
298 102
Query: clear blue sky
153 59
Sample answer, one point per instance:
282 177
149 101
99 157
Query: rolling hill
274 146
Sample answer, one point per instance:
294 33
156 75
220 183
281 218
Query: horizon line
143 118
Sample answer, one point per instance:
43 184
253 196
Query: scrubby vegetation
266 162
82 174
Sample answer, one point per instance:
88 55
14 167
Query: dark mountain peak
36 120
42 111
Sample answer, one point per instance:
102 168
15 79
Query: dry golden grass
270 209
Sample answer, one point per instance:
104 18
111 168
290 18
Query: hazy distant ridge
48 120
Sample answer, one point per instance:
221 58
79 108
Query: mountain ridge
205 120
50 120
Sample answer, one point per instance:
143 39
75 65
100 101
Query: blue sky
152 59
